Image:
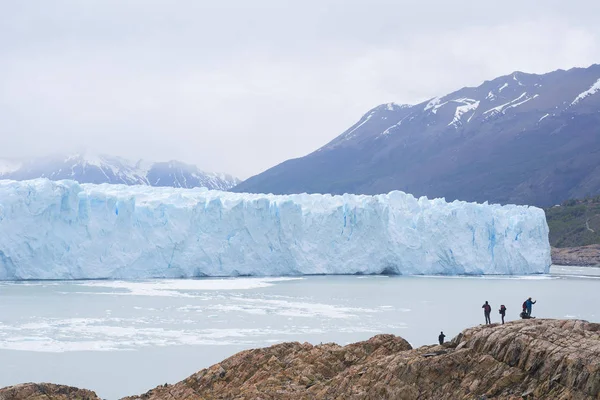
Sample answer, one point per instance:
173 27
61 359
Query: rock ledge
534 359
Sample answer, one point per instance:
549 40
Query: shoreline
581 256
554 269
574 271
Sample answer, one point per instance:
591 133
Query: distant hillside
574 223
520 138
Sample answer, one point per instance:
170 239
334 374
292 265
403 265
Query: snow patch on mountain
521 102
468 105
517 80
349 135
395 106
88 158
592 90
511 104
389 130
432 103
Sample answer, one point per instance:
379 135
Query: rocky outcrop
527 359
285 371
523 359
580 256
45 391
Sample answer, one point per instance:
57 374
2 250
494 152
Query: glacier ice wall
64 230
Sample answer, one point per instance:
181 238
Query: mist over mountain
85 168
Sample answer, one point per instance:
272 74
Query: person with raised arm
487 309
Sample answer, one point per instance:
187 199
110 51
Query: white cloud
240 86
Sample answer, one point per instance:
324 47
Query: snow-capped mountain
109 169
520 138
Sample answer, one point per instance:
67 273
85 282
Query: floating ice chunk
181 288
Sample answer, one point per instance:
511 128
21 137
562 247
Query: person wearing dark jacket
441 337
528 304
502 312
487 309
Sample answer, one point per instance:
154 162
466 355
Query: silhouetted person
487 309
502 312
528 304
441 337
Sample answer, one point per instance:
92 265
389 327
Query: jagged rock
288 370
45 391
522 359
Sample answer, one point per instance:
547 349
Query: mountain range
109 169
520 138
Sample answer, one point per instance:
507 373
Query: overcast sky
241 85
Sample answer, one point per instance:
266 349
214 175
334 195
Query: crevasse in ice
64 230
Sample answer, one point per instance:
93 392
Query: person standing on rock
487 309
528 304
441 337
502 312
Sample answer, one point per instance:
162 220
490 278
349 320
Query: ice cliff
64 230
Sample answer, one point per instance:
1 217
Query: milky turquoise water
121 338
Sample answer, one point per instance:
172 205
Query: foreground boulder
45 391
523 359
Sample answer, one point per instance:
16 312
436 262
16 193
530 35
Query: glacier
66 230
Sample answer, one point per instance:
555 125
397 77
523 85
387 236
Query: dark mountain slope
521 138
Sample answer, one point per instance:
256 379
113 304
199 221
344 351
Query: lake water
122 338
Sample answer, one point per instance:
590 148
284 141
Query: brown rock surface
535 359
45 391
527 359
580 256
